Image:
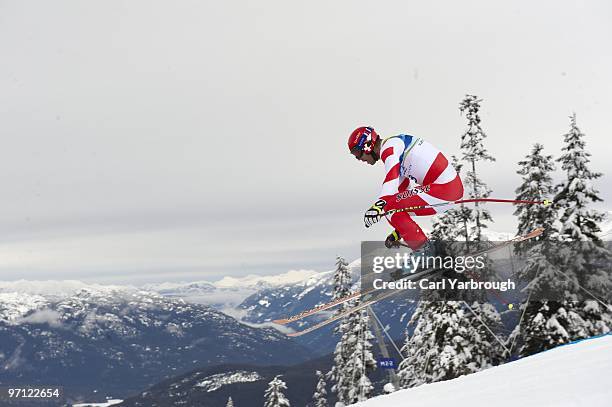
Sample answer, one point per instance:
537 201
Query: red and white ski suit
416 173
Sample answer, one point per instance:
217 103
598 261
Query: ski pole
545 202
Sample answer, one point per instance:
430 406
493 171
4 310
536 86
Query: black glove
393 240
373 214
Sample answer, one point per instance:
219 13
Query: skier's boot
393 240
427 250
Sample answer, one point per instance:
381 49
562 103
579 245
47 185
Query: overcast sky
188 140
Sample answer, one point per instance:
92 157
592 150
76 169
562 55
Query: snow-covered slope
572 375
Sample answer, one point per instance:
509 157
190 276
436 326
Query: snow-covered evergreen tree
486 335
449 340
441 346
541 327
342 287
475 219
353 359
587 261
342 281
577 192
353 351
337 372
568 258
537 185
545 325
230 402
356 385
319 398
474 151
274 396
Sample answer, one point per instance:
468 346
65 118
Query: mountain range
104 342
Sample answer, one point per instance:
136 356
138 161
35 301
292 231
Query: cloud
281 328
44 316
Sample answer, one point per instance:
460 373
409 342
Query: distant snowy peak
17 308
497 236
275 302
226 292
606 227
55 288
180 288
251 281
318 279
62 288
14 306
291 276
23 307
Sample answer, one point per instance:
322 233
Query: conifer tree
577 192
356 385
353 359
427 357
274 396
342 287
537 185
319 398
586 262
540 326
474 151
449 340
342 281
567 258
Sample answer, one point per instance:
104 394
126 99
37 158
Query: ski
419 275
323 307
318 308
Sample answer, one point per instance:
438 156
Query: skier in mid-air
416 174
417 177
